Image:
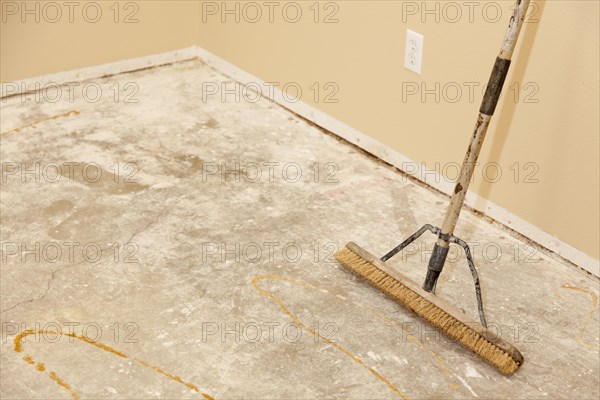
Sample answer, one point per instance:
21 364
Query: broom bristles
450 326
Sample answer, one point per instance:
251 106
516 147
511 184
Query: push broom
422 300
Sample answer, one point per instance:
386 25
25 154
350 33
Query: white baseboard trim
338 128
97 71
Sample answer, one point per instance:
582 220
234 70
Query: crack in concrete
56 271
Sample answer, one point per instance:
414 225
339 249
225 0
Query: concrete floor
224 285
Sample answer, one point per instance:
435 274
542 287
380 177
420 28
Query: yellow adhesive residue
28 359
171 376
18 341
33 125
353 357
64 385
588 319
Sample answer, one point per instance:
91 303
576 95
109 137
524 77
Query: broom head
433 309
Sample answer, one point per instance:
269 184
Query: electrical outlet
413 54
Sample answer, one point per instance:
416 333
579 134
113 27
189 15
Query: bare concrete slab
166 244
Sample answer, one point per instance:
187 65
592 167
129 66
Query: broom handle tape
494 86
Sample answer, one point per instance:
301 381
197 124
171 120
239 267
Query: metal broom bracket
448 239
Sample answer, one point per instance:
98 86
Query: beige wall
547 123
33 48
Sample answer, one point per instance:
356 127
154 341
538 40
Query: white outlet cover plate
413 52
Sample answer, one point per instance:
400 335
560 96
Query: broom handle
486 110
488 105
